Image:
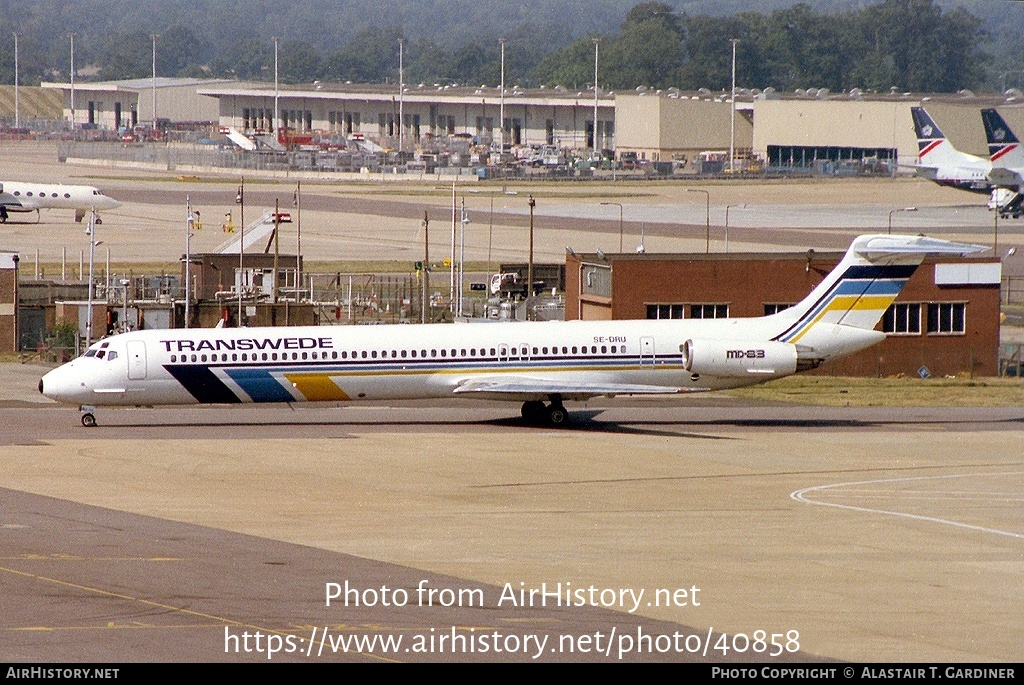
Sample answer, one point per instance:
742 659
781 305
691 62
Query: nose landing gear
88 418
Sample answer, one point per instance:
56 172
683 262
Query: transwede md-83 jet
540 364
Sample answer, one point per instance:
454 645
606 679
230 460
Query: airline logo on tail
929 136
1003 145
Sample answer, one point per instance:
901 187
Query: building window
665 311
709 311
902 319
775 308
946 318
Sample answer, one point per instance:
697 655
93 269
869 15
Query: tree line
907 44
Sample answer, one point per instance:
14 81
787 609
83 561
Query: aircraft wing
518 388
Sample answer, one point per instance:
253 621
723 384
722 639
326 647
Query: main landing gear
554 414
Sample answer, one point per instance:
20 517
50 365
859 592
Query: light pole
154 36
899 209
727 225
277 95
240 201
995 233
502 113
124 308
190 220
72 82
401 97
732 111
91 232
707 217
620 221
463 222
425 294
17 107
529 268
490 220
597 41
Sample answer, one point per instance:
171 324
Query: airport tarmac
875 534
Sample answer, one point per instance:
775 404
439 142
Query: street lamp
899 209
620 221
190 221
240 201
529 268
707 217
90 231
463 222
727 225
124 308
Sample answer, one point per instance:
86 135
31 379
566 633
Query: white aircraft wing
519 387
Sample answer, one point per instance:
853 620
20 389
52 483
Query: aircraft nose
57 386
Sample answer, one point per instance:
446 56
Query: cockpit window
99 355
90 353
111 356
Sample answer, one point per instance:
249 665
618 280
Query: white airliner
28 197
529 362
939 161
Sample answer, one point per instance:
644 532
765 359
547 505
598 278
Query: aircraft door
646 351
136 360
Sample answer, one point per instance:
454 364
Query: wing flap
515 388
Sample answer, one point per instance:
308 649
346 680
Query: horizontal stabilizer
877 247
505 387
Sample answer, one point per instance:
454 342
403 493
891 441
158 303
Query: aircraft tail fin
1003 147
860 289
933 148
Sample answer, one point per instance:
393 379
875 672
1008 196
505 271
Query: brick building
946 319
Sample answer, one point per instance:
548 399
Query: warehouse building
114 105
542 116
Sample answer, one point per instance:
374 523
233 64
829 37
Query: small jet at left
28 197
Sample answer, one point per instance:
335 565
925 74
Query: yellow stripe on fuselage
317 387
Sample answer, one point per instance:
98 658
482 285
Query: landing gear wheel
88 420
533 411
557 415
